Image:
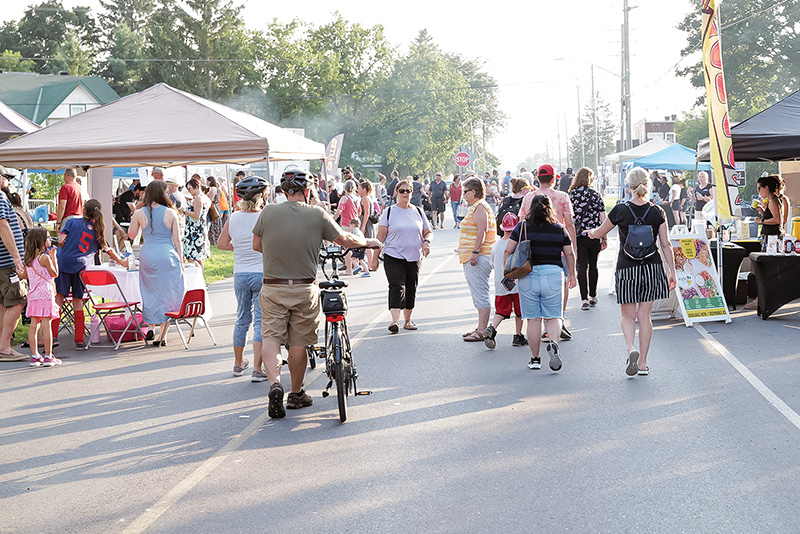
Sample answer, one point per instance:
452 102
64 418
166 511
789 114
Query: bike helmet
294 179
249 187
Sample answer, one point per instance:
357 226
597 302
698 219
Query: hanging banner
699 289
719 129
332 153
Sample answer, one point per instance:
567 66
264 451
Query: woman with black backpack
640 277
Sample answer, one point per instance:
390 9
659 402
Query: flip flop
474 336
469 334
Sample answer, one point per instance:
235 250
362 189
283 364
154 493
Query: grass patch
610 202
219 266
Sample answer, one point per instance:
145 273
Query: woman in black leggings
590 212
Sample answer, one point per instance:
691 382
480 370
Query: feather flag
332 153
719 129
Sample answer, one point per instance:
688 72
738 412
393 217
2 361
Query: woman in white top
237 235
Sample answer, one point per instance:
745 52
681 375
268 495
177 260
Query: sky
539 52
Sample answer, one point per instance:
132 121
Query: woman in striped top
541 290
478 234
639 283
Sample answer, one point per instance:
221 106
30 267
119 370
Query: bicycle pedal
364 393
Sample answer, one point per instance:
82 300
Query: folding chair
104 309
68 315
192 307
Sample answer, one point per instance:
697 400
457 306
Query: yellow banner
719 129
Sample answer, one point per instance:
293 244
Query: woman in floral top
589 212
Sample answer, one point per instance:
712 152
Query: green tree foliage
121 69
48 31
760 52
13 62
606 131
200 46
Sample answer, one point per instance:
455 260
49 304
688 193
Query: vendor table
129 282
732 256
777 280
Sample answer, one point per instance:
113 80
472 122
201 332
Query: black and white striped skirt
641 283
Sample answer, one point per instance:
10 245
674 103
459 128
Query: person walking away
675 200
505 300
639 282
41 268
390 193
237 235
438 200
455 199
70 201
214 227
475 241
160 259
561 203
368 208
358 263
289 236
79 241
406 236
540 291
590 212
416 196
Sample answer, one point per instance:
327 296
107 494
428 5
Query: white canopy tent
12 123
645 149
160 126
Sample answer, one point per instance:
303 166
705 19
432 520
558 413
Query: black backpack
640 243
509 205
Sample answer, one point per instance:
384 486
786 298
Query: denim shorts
541 292
246 287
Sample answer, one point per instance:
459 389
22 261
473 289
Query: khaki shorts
11 294
290 314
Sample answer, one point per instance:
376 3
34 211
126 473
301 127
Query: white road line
151 515
765 392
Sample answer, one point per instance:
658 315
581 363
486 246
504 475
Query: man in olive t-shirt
289 236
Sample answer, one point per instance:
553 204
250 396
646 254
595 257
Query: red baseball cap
546 170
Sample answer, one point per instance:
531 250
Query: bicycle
339 363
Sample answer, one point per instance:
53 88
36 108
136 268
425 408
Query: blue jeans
541 292
246 287
454 205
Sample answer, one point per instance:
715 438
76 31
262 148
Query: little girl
79 240
41 267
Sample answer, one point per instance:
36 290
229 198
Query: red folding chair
192 307
99 278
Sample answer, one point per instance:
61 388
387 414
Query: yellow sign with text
714 312
688 248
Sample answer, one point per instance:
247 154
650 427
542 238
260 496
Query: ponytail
93 211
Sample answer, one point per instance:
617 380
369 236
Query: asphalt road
454 438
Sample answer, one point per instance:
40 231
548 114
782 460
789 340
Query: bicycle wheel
339 372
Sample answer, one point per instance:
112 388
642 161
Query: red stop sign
462 159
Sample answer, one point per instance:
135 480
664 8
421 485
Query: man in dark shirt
416 195
122 207
438 200
391 186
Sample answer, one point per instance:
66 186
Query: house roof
12 123
36 96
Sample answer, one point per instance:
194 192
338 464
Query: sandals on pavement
469 334
410 325
592 301
644 372
393 328
585 305
474 336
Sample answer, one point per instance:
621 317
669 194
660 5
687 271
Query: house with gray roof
48 98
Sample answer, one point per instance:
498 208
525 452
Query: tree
13 62
760 53
200 46
122 69
48 33
606 131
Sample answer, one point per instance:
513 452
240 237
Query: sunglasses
404 190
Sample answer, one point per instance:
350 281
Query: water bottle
95 329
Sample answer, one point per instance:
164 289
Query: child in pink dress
41 267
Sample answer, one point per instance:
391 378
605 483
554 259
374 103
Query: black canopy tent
771 135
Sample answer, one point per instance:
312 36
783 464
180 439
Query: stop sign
462 159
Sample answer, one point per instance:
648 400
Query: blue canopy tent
675 157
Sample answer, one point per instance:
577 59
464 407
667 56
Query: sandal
410 325
393 328
469 334
585 305
474 336
592 301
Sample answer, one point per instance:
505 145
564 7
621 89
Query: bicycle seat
332 284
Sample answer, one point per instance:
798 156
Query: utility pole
594 126
566 135
580 127
626 75
559 142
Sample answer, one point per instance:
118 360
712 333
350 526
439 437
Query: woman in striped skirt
639 282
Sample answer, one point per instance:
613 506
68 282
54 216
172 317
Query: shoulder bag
518 265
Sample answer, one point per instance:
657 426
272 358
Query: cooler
795 227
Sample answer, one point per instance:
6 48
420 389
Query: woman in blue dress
161 258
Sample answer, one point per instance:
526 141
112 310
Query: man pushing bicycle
289 236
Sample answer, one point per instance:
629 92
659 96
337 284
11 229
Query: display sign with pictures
698 286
